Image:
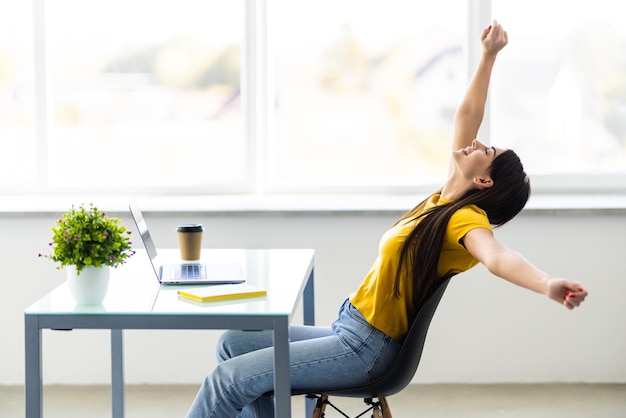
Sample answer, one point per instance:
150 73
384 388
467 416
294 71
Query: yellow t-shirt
375 298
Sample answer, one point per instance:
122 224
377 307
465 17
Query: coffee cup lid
190 228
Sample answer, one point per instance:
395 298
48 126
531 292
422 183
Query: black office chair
399 374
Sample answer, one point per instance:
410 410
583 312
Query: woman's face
475 159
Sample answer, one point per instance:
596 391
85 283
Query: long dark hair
421 250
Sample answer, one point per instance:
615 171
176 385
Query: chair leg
379 409
320 407
385 407
376 411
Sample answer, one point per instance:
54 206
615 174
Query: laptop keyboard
193 271
214 272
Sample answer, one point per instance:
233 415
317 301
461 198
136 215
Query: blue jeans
349 353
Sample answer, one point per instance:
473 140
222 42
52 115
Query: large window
559 92
364 91
262 96
147 92
18 150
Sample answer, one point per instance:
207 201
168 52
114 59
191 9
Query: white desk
136 301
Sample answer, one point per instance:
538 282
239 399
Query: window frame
257 97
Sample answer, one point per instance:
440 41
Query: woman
446 234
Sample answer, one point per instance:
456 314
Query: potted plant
88 242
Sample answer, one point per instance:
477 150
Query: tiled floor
429 401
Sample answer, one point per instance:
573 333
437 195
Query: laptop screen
142 227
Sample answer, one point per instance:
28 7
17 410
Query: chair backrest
405 365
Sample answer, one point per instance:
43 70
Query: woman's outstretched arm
469 114
511 266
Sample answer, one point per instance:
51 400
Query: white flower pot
91 286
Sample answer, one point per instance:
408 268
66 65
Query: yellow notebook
222 292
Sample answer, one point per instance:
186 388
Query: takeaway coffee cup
190 241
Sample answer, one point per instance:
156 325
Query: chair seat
405 365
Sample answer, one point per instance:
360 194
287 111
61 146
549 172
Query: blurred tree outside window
365 94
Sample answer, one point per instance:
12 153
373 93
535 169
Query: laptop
184 272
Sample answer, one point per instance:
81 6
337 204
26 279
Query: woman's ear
483 183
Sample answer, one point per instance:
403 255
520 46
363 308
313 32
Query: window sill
296 204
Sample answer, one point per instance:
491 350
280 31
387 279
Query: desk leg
308 308
33 394
282 384
117 373
308 300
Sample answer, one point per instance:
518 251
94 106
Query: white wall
485 330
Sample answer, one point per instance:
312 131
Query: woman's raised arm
469 114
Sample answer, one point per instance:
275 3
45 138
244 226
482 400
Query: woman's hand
493 38
570 294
